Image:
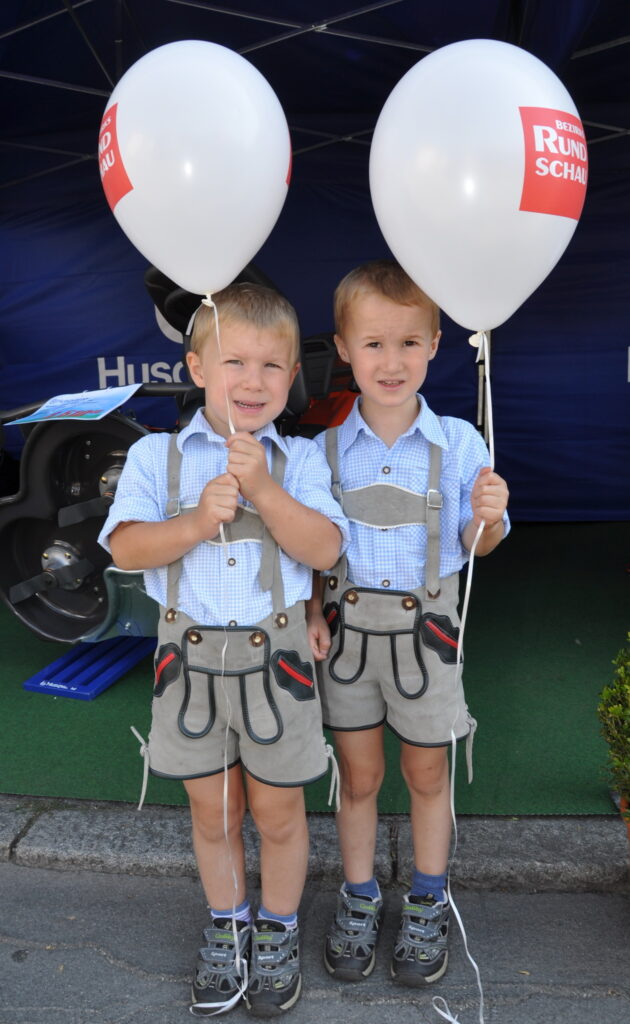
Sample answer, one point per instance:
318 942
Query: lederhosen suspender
386 505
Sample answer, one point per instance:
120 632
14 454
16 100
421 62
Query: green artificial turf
548 613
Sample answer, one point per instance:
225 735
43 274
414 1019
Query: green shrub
614 715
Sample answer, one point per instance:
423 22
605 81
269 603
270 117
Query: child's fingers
320 650
226 483
243 442
319 640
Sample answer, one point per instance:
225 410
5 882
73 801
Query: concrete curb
550 854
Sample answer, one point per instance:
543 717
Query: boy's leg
361 767
425 770
350 948
420 954
219 859
275 980
220 973
280 817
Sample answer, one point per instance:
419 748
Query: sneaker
275 981
350 949
420 954
220 980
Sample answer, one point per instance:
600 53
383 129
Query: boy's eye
410 342
274 366
234 362
373 344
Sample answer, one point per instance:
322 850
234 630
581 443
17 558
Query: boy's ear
341 348
294 372
434 344
195 370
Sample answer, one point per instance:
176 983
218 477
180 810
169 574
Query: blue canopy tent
74 311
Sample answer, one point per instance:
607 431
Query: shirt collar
425 423
200 425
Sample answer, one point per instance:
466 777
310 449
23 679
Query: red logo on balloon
114 178
556 162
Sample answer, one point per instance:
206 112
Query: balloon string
208 301
240 965
439 1003
484 351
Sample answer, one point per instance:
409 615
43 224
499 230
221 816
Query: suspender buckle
173 508
434 499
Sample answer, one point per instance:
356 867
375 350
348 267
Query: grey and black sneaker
221 969
275 981
350 949
420 954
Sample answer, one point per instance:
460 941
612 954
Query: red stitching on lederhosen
294 673
439 633
164 662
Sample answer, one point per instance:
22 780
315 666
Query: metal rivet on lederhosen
332 583
281 620
231 561
194 636
352 597
409 602
232 622
171 615
385 583
257 639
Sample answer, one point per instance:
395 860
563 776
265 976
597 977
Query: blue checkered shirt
398 554
211 591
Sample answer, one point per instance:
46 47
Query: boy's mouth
391 383
249 406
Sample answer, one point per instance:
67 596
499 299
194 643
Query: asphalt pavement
102 910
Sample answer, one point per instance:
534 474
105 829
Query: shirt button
385 583
386 469
231 561
232 623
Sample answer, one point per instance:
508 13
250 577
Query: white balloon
195 159
478 174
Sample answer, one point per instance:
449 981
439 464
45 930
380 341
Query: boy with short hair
415 489
227 527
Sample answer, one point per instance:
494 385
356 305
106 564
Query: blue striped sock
431 885
241 913
369 888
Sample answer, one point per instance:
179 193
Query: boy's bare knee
426 780
363 785
208 818
278 813
212 830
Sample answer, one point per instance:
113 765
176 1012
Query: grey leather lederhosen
241 691
394 652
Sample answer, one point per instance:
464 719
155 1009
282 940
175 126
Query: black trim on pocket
420 662
331 614
293 674
167 667
440 635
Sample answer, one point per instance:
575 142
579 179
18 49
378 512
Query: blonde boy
227 527
415 489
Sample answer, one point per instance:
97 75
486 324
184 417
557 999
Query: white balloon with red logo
478 170
195 160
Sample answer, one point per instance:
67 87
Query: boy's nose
253 378
391 361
